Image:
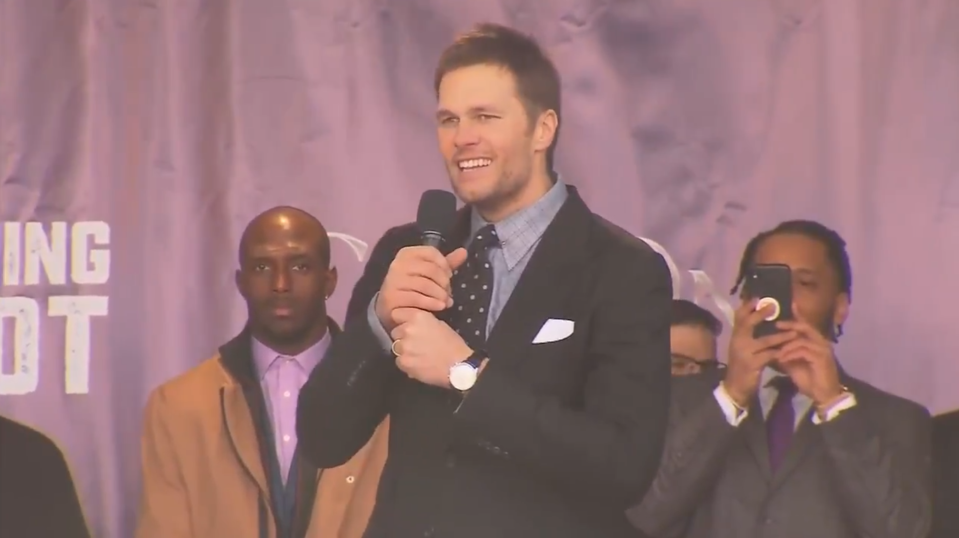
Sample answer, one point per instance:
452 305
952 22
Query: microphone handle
432 240
435 240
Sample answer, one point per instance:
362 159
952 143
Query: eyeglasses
684 365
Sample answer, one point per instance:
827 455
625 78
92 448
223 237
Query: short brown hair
537 80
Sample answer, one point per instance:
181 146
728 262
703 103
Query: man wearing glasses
692 338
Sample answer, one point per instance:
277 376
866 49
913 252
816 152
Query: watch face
462 376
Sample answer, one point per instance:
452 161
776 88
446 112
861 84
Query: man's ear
332 278
544 132
842 310
238 281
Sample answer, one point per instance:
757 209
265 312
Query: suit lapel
755 434
805 437
541 291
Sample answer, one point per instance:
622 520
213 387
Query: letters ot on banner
58 257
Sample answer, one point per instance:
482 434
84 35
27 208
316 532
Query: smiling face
494 151
285 280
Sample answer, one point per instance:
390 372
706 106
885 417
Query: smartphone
770 284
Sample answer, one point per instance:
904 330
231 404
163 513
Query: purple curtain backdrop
138 137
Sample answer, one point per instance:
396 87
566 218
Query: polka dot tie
473 289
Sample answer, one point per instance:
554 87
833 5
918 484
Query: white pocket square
554 330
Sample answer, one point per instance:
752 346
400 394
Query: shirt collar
519 232
264 358
769 374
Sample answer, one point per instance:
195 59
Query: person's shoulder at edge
407 233
613 236
393 239
870 396
28 452
948 421
15 434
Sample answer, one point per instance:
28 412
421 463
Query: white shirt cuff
848 402
734 414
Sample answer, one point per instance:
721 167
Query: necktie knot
785 387
484 239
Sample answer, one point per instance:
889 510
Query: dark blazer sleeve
881 453
697 446
609 448
348 394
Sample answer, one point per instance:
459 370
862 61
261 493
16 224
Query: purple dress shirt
281 378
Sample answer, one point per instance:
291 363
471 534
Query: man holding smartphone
784 443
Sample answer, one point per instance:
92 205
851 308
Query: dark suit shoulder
36 488
389 244
613 236
945 428
404 235
623 255
30 457
947 421
890 406
20 440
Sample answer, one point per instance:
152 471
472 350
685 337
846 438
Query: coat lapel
243 408
754 429
804 439
540 293
238 422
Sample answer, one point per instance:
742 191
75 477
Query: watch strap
476 358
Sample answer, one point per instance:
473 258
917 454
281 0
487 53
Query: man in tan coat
219 443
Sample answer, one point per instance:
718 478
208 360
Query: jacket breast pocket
555 363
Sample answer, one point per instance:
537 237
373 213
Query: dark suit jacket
863 474
945 465
37 496
555 439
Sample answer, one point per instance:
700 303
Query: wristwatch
464 373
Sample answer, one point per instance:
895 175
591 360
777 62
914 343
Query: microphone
435 216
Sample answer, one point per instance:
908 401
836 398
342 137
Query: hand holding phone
749 355
770 285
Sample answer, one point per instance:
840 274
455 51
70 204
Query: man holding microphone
526 371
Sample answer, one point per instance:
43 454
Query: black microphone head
436 213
